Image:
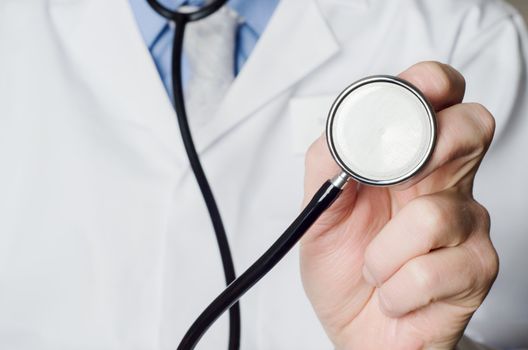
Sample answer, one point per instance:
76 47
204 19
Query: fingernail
369 278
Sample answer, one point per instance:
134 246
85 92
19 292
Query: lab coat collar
254 14
152 24
111 58
107 55
296 41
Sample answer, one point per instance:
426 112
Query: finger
319 167
465 132
450 273
443 85
440 83
426 223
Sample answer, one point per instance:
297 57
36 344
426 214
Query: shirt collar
151 24
254 13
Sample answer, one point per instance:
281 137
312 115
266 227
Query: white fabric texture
467 344
105 243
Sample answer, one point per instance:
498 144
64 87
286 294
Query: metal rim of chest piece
429 110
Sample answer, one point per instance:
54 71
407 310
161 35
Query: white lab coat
105 242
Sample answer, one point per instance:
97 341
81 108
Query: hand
405 267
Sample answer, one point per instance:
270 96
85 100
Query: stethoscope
381 131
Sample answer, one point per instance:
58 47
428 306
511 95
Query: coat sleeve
491 54
467 344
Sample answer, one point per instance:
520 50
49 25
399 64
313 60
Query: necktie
210 49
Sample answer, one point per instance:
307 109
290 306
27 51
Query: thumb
320 167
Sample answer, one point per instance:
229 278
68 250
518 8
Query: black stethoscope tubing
324 197
180 19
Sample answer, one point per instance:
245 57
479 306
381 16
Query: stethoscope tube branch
194 160
323 198
180 17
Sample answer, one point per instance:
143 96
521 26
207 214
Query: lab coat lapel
108 50
296 42
108 54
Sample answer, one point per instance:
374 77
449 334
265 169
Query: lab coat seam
493 31
461 43
515 113
162 258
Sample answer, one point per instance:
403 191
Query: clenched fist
405 267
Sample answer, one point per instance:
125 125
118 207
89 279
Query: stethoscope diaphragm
381 130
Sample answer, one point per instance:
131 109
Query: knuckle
485 123
442 80
483 217
487 261
434 67
432 214
372 258
490 262
446 78
388 303
495 265
424 278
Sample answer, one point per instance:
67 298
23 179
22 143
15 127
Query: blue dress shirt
158 35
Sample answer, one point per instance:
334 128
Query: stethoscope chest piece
381 130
